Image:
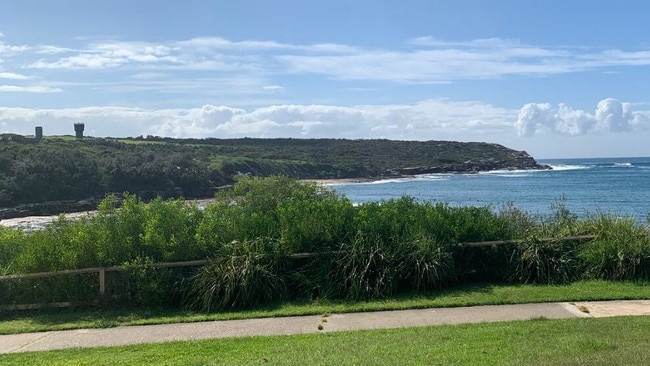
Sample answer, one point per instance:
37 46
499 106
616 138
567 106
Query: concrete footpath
314 324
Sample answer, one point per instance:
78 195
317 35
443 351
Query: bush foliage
253 235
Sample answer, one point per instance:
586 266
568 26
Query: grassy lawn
585 341
483 294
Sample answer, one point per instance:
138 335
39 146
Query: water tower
38 133
79 130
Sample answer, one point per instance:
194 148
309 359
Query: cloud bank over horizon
610 115
433 119
428 119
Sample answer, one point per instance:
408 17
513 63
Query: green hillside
64 168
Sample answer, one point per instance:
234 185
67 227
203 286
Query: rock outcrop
519 160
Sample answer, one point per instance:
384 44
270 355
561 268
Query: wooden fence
101 271
521 241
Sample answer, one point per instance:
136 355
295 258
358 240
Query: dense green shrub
144 285
169 231
11 241
303 216
366 251
316 223
65 244
250 209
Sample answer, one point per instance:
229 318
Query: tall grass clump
242 275
368 267
390 252
560 222
622 250
550 262
430 265
547 262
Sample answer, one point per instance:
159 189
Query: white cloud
435 61
427 60
13 76
610 115
105 55
28 89
53 50
11 50
222 44
76 62
429 119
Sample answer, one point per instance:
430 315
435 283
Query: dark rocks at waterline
473 167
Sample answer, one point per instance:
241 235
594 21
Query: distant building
38 133
79 130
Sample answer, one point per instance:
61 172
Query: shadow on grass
466 295
103 317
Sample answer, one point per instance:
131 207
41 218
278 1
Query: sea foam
562 167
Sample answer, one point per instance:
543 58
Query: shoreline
18 220
335 181
36 222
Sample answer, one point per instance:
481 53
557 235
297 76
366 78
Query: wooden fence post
102 284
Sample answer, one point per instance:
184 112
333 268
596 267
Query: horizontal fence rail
101 271
521 241
201 262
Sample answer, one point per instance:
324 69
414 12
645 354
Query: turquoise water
619 186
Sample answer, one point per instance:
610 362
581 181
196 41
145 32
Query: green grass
607 341
483 294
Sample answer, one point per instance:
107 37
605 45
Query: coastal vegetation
252 235
69 169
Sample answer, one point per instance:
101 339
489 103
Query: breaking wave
563 167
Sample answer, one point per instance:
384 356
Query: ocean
619 186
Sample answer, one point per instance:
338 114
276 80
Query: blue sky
554 78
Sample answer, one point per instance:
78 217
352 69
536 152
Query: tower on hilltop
79 130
